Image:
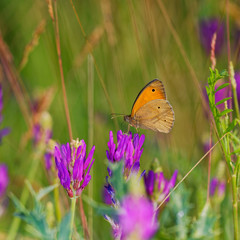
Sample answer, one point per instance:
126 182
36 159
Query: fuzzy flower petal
137 218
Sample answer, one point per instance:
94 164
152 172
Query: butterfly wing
156 115
153 90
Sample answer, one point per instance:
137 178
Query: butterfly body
151 110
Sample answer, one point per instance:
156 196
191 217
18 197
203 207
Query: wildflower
41 130
216 185
237 78
157 186
4 131
3 179
137 218
73 166
108 193
48 160
128 148
207 27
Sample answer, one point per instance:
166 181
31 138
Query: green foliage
36 218
185 226
202 228
224 124
117 180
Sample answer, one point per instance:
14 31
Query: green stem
236 102
73 206
90 134
235 206
25 193
57 203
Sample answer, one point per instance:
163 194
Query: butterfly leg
128 128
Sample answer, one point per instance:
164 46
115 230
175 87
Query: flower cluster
128 148
4 131
217 186
3 179
207 28
137 216
237 78
73 166
136 219
157 186
42 129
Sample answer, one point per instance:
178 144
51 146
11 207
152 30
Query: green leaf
231 126
224 112
117 180
18 204
221 87
64 227
203 227
223 100
44 191
224 73
237 151
36 218
100 208
177 210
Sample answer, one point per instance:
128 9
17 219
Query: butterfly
151 110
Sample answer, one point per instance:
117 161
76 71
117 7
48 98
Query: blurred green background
132 44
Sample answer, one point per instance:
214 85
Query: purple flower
137 218
3 179
108 193
48 160
73 166
4 131
40 133
213 186
157 186
207 27
216 185
128 148
237 78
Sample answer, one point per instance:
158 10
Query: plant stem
73 205
235 206
57 203
25 193
61 73
90 134
209 163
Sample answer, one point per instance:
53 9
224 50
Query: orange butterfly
151 110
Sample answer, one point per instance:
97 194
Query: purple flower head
48 160
217 186
3 179
157 186
4 131
40 134
108 193
73 166
128 148
237 78
137 218
207 27
42 129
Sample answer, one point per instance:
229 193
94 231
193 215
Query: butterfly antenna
114 115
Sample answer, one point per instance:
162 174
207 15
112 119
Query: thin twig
199 161
183 53
95 64
61 72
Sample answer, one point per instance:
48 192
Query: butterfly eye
153 90
158 107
